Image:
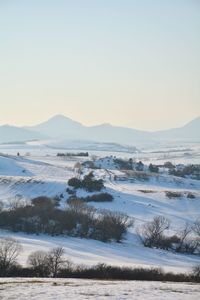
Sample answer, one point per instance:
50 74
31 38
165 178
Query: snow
89 252
58 289
41 172
10 167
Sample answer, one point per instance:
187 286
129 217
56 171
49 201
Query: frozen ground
59 289
39 172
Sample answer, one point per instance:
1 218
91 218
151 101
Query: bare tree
183 235
188 242
56 260
38 261
151 233
196 227
47 264
9 251
196 271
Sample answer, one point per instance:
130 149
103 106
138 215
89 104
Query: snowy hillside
41 172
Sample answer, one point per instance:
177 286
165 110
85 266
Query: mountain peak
58 126
60 118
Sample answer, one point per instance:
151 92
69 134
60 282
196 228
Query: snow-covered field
89 252
59 289
37 171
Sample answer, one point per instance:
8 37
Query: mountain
123 135
62 128
58 127
191 131
11 134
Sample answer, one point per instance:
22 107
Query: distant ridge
189 131
9 134
63 128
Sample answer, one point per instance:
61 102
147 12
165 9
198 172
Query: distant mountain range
9 134
62 128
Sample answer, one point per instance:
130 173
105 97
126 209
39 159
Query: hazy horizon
130 63
95 124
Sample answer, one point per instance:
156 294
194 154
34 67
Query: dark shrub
190 195
70 191
168 165
171 194
103 197
139 166
90 184
75 183
70 154
112 225
146 191
124 164
153 168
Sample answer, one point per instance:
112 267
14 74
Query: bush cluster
89 183
70 154
78 219
187 240
153 168
102 197
191 170
173 194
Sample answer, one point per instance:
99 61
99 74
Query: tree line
53 264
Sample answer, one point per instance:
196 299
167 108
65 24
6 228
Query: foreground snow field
39 172
58 289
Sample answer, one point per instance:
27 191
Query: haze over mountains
62 128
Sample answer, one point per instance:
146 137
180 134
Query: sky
125 62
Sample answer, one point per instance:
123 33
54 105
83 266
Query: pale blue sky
134 63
